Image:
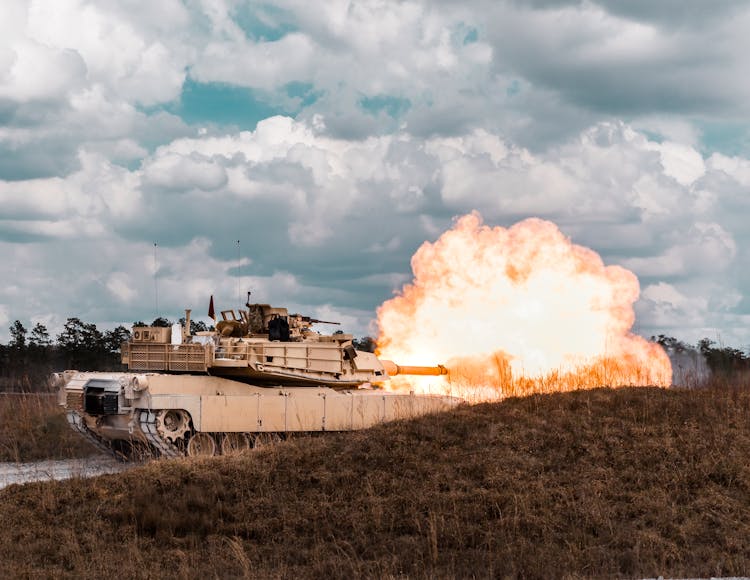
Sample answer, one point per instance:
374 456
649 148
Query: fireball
519 309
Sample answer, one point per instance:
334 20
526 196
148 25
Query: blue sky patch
305 92
471 36
224 104
727 138
263 22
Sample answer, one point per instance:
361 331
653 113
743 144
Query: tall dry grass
33 427
631 482
491 378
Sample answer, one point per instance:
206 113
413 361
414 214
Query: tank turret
262 345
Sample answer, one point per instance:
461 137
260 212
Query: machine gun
308 320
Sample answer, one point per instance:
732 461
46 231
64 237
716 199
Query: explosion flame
517 310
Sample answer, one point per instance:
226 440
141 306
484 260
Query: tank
260 376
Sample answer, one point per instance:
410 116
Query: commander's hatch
229 315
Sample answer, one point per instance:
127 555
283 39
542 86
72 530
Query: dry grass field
633 482
33 426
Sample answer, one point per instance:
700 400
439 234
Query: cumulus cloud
538 70
121 49
33 71
76 74
666 305
596 115
600 57
327 220
534 71
85 203
681 162
174 172
705 248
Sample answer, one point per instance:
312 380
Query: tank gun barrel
394 369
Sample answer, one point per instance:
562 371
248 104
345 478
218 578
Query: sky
140 140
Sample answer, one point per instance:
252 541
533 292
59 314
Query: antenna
239 276
156 285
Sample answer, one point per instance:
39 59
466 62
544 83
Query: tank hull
204 415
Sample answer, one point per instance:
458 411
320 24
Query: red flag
211 313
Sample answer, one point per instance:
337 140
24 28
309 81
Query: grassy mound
628 482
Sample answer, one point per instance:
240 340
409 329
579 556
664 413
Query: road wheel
201 445
265 439
234 443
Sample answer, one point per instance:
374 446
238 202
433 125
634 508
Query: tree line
31 355
725 362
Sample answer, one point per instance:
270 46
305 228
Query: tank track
77 424
147 421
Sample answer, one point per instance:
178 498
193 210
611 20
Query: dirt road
59 469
